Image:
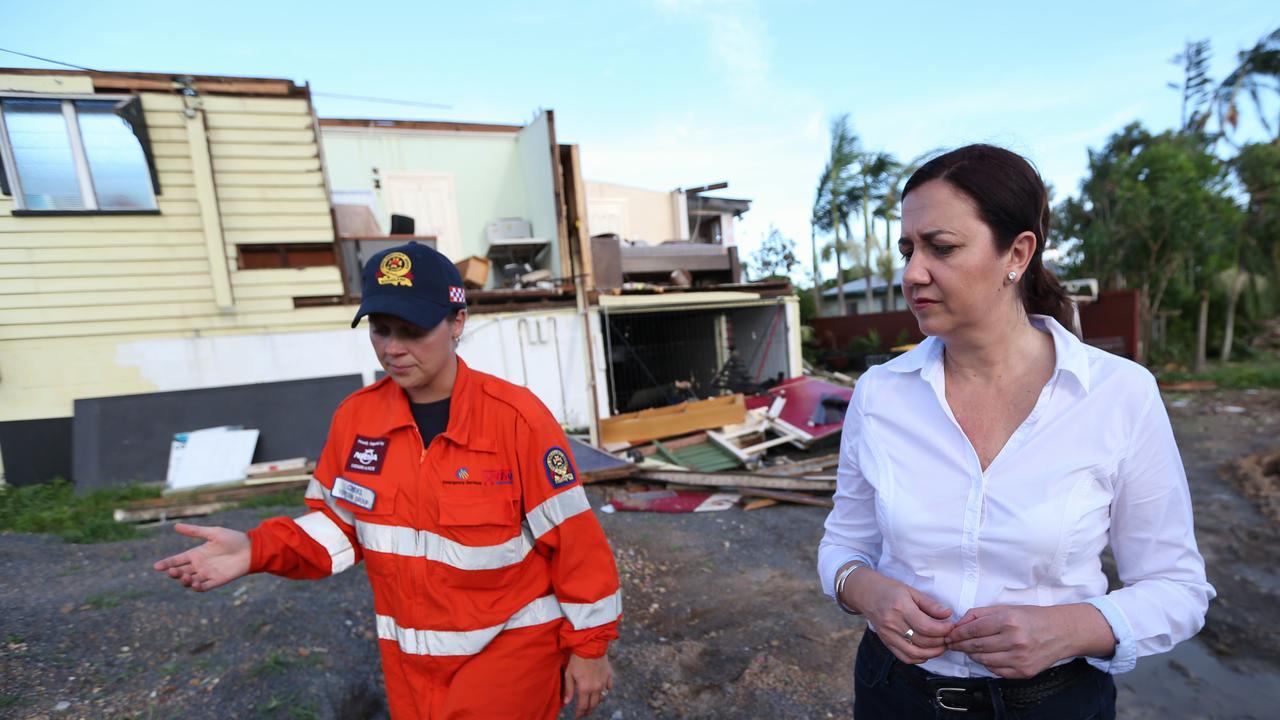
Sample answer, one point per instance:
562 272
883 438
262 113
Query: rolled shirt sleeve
1165 594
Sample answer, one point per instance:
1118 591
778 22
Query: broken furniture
615 262
511 243
673 420
814 408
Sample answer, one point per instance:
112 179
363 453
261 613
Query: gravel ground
723 617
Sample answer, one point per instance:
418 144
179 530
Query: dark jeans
880 690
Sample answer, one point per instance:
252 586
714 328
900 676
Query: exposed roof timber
702 204
436 125
706 188
171 82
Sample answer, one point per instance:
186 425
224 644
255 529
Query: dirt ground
724 618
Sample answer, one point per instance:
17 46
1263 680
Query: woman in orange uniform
495 590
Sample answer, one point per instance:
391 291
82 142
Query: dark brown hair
1010 198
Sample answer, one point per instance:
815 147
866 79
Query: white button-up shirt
1094 462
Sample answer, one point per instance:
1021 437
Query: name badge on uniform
353 493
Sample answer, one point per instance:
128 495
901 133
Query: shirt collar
1069 354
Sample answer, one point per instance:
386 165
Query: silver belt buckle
937 699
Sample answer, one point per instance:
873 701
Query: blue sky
667 93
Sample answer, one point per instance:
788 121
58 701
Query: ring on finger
910 636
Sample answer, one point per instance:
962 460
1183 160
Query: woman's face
412 356
954 280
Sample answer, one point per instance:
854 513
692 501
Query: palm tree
831 203
890 210
1258 71
874 170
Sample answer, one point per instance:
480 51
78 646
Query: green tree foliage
1153 213
776 257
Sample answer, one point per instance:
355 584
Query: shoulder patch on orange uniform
559 470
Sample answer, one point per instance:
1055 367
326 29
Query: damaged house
179 252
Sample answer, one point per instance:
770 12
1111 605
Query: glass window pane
121 179
42 152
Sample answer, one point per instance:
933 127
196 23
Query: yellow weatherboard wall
73 288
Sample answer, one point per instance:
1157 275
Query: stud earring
1012 276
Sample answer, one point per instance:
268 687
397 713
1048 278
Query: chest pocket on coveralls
487 523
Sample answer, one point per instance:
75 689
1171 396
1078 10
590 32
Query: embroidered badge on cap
354 493
559 469
367 455
457 294
394 270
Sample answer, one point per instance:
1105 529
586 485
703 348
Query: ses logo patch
559 468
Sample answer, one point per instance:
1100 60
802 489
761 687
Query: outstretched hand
223 557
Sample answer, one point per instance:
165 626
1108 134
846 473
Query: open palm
223 557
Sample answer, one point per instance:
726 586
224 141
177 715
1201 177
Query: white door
429 199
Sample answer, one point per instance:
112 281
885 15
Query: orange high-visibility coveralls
486 562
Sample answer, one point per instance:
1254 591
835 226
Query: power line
339 96
388 101
48 60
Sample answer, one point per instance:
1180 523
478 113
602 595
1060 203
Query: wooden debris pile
690 457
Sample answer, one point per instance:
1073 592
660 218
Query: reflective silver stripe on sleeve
465 642
399 540
589 615
317 491
326 532
556 509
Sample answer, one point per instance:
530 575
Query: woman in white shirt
983 473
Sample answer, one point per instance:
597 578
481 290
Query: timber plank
251 237
247 121
219 136
30 285
738 479
148 268
791 497
312 221
266 165
319 208
102 254
272 193
108 297
317 318
92 241
297 179
223 151
92 223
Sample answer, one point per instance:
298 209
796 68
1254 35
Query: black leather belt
974 693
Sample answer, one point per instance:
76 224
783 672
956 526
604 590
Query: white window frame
81 160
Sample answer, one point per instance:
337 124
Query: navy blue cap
412 282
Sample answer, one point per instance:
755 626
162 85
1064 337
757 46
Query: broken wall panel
760 335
